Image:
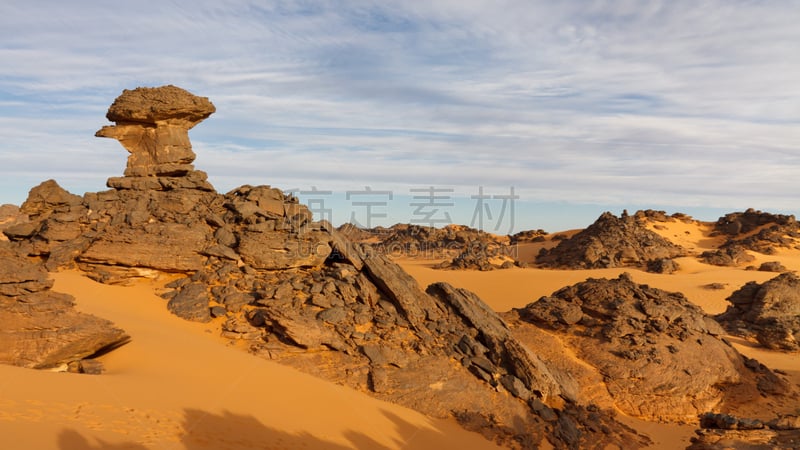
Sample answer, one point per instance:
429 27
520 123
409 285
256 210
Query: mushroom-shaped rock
153 124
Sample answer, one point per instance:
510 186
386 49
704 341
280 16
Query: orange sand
177 385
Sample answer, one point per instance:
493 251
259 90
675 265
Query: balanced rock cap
151 105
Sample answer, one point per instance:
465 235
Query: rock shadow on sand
72 440
203 430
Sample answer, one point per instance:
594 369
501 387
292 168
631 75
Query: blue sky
580 106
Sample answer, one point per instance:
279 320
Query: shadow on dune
72 440
202 430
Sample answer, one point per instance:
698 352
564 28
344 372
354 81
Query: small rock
333 315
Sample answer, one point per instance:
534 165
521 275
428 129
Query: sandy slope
179 386
510 288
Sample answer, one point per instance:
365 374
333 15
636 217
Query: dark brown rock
772 266
610 242
728 255
47 198
191 303
662 266
769 311
503 349
660 355
169 247
721 431
304 331
758 231
273 251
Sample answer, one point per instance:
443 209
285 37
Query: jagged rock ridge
462 247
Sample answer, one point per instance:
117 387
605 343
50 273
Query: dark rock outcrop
724 431
482 256
610 242
769 312
661 357
420 241
772 266
758 231
727 255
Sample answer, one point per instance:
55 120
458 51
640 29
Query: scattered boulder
481 256
772 266
528 236
663 266
769 312
610 241
728 255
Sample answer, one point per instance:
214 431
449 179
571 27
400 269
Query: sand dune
178 385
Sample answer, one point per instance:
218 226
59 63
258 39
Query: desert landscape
161 314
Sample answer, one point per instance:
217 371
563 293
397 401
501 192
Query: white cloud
609 102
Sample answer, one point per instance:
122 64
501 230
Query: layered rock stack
153 125
40 328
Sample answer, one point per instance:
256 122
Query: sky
511 115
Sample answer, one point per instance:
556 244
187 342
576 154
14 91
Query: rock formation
725 431
611 241
464 248
729 254
758 231
9 216
769 312
415 240
40 328
660 356
482 255
153 125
